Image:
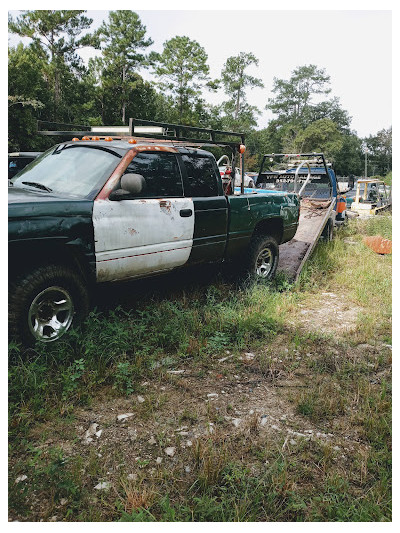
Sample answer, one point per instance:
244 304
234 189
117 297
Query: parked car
96 211
18 160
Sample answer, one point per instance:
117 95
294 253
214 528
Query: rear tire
45 302
263 257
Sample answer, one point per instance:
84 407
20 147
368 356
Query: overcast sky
355 48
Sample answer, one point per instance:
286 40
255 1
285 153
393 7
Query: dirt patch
329 313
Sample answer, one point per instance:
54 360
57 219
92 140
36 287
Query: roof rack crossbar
180 131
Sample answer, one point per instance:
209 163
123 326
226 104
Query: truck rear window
202 176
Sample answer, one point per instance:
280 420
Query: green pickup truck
105 210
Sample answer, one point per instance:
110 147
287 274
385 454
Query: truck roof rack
150 130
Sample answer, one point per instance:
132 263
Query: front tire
263 257
45 302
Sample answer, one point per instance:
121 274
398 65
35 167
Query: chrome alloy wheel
50 314
264 262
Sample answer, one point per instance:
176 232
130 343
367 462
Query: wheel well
270 226
24 256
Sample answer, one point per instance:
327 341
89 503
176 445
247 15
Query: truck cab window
202 176
161 172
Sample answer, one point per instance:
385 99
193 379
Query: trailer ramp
314 215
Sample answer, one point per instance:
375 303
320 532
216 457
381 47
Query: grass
336 382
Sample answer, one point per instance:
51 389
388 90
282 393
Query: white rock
63 501
123 417
236 422
132 476
175 371
140 399
224 358
152 440
189 443
91 431
187 469
98 433
159 460
21 478
170 451
104 485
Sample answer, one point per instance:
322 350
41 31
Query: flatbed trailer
312 222
315 182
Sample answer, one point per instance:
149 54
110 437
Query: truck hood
25 203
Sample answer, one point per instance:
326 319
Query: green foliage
379 152
349 159
54 35
72 377
48 81
122 41
320 136
294 97
183 69
124 377
239 114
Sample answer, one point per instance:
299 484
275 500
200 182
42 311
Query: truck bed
293 254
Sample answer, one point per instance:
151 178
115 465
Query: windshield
70 170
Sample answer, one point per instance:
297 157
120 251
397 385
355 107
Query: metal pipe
302 163
242 170
307 180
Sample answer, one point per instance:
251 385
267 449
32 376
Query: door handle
186 212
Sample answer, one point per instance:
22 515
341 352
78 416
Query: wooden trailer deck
314 215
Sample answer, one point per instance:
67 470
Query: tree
328 109
55 39
294 97
235 82
380 151
320 136
28 95
183 69
349 159
122 41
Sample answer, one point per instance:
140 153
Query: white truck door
150 233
